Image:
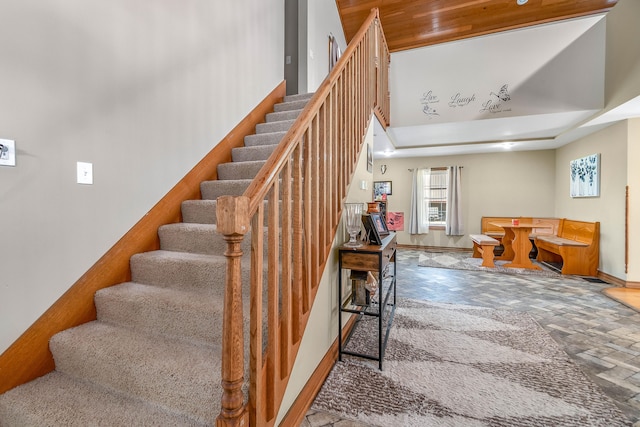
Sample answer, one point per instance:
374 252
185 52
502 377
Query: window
435 196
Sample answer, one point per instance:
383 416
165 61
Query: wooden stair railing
304 182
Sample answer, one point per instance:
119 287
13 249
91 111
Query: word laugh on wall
494 103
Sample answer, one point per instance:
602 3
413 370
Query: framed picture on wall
380 188
585 176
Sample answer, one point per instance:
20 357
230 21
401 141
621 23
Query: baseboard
614 280
434 248
303 402
632 285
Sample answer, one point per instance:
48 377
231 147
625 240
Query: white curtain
453 224
418 218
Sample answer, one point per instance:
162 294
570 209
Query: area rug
458 365
464 261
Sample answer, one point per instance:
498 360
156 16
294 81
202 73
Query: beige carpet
455 365
464 261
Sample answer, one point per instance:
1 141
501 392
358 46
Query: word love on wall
494 103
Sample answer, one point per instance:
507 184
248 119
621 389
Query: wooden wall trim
626 230
29 356
611 279
434 248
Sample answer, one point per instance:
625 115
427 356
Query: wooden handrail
296 199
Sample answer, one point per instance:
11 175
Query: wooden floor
627 296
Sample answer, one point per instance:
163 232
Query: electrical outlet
7 152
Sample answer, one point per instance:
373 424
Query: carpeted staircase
153 355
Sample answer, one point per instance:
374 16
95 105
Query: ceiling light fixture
521 2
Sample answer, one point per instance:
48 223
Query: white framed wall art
585 176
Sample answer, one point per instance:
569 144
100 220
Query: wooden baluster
233 222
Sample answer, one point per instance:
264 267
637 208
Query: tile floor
601 335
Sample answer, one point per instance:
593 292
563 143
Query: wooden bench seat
483 247
576 245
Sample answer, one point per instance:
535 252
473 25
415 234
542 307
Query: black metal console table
380 259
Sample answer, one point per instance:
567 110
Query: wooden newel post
233 222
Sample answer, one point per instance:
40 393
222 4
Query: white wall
633 178
623 84
546 69
623 58
608 209
143 90
317 19
519 183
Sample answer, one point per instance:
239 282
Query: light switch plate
85 173
7 152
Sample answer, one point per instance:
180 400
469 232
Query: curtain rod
441 167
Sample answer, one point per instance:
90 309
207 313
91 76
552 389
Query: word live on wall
494 103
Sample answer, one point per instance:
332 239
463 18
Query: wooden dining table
516 242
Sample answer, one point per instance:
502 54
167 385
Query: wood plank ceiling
410 24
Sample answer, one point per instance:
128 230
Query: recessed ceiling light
521 2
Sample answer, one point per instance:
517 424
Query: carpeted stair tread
298 97
282 116
213 189
170 373
163 311
247 154
239 170
194 238
57 399
264 139
290 105
180 270
274 126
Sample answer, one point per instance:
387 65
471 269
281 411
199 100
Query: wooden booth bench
483 246
576 245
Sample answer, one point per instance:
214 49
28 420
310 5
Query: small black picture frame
372 233
375 227
381 226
